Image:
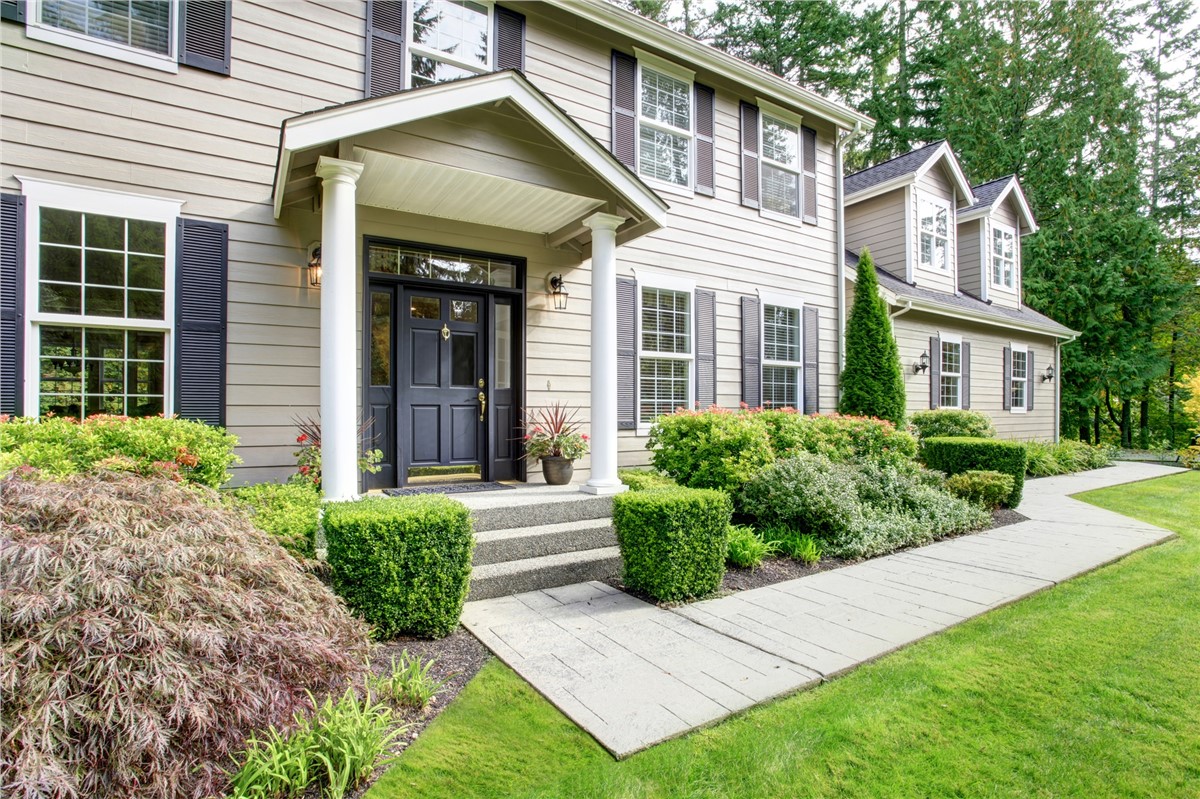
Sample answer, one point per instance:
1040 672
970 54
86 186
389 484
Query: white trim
668 70
983 276
165 62
779 112
1022 207
957 176
796 169
790 301
902 182
910 223
997 227
1014 348
950 338
658 280
660 64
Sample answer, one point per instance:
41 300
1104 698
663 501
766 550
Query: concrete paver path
632 674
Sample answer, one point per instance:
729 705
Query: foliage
673 542
645 480
289 512
806 493
308 457
404 564
408 682
984 488
553 433
799 546
951 422
148 632
956 454
1064 457
746 548
335 749
841 438
871 383
715 448
917 494
180 449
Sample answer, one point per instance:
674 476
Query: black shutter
1006 382
808 161
812 360
201 281
706 123
1030 382
752 352
13 10
935 372
12 303
965 381
626 353
385 47
706 348
624 109
510 39
750 192
204 34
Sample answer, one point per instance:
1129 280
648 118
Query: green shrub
917 493
710 449
645 480
290 512
952 422
986 489
673 542
403 564
796 545
806 493
180 449
148 632
746 548
1046 459
956 454
841 438
1040 459
871 383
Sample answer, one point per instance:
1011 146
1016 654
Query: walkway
632 674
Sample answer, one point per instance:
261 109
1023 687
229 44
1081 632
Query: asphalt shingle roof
881 173
986 193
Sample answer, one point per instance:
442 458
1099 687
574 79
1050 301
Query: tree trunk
1126 424
1144 420
1171 391
1096 425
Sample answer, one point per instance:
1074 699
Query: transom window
137 24
448 39
391 259
664 127
935 235
950 383
781 357
1019 379
780 166
666 352
1004 256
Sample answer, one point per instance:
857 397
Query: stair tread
543 561
543 529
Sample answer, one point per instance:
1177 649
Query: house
948 257
421 216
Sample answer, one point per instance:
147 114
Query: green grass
1091 689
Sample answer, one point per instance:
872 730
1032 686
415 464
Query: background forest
1095 106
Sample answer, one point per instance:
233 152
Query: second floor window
138 24
780 166
1004 256
448 40
935 235
664 127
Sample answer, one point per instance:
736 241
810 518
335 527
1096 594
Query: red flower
304 470
585 438
300 439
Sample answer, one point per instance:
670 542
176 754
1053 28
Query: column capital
338 169
603 221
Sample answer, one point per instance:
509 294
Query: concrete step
547 571
518 511
498 546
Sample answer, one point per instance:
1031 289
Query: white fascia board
754 79
956 173
959 313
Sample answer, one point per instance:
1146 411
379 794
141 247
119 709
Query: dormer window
1004 256
935 234
448 40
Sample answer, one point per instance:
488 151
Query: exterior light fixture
1048 375
921 364
554 287
314 264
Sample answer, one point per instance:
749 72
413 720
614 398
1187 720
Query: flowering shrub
951 422
553 433
308 457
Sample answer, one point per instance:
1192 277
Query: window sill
786 219
663 187
88 44
1018 410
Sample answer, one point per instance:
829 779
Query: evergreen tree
872 384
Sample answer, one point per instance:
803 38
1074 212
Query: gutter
892 317
994 321
839 203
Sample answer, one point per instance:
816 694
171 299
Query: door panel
381 366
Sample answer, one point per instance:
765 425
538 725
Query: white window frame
655 64
165 62
943 340
767 109
791 302
683 286
53 194
994 257
938 204
1014 348
411 46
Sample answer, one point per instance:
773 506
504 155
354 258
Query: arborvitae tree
871 382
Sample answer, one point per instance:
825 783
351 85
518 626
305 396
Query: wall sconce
314 264
1048 375
554 287
921 364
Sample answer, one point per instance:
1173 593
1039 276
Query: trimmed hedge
673 542
952 422
644 480
957 454
403 564
986 489
290 512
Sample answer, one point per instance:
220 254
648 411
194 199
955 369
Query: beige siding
878 223
971 273
934 185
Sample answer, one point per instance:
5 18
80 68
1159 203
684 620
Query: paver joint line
632 674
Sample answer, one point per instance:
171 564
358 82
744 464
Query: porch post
339 404
604 355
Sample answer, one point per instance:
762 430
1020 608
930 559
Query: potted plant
552 436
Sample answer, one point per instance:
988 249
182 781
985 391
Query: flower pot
557 470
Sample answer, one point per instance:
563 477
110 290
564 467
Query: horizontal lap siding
970 264
878 224
934 184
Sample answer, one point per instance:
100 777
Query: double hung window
780 166
448 39
782 362
665 352
665 131
1019 379
950 380
935 234
138 31
1004 257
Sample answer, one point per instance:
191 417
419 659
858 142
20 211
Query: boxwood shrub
403 564
645 480
673 542
984 488
956 454
952 422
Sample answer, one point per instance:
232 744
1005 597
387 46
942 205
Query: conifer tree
871 382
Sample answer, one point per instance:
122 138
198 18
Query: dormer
906 211
989 241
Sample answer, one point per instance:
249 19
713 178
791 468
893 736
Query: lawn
1091 689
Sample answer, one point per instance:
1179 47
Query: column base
603 489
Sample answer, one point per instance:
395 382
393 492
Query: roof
988 193
988 197
900 166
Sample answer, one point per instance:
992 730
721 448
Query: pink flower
585 438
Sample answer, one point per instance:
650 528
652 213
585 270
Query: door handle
482 404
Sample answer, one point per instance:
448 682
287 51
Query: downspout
839 145
892 317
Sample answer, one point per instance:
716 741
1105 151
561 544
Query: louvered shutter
510 39
624 109
1006 382
750 190
204 34
706 348
1030 382
626 353
705 131
13 10
385 47
12 303
808 164
752 352
201 280
935 372
964 388
812 360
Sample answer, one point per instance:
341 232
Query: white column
339 400
604 355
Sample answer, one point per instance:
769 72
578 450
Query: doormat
449 488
